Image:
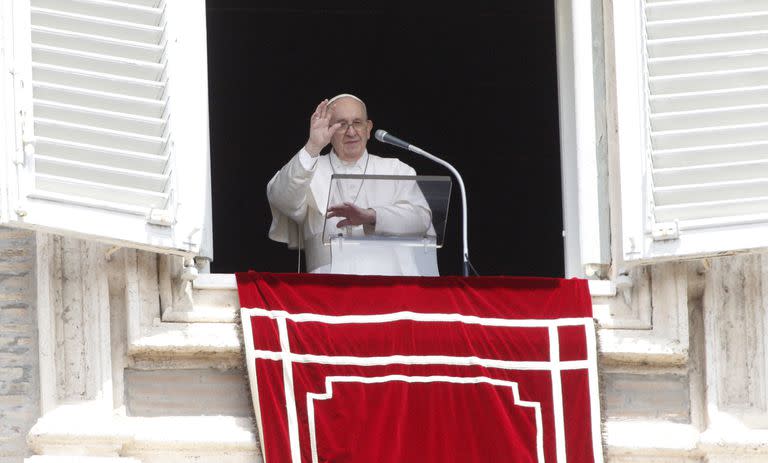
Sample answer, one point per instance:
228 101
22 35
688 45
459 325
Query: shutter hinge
21 155
161 217
666 231
27 141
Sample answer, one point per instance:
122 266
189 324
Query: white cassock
298 194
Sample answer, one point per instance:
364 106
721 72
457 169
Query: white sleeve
288 190
409 214
307 160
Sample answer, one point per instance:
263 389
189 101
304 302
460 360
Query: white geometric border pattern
554 365
311 397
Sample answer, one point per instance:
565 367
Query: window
692 113
475 84
106 113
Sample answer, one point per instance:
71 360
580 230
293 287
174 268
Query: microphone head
380 134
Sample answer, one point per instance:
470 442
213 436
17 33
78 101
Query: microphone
385 137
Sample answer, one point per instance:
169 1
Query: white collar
337 163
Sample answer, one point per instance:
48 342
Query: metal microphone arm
385 137
465 239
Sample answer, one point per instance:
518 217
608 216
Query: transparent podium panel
410 219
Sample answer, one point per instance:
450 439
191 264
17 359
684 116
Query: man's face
349 141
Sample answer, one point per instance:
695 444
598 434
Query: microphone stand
385 137
465 240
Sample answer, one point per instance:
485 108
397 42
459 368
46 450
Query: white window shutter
112 102
694 163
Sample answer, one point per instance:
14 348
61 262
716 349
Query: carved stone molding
648 322
74 321
735 304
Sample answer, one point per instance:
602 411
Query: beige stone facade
114 357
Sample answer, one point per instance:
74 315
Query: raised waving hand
320 128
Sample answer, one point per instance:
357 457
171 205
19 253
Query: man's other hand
352 214
320 129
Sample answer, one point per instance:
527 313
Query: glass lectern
411 213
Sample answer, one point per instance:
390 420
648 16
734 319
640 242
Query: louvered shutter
112 97
704 156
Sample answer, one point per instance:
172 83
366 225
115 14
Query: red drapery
425 370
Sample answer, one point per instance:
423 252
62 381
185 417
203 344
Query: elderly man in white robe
298 198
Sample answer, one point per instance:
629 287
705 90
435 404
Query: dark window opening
476 85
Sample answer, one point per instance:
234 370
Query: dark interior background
474 84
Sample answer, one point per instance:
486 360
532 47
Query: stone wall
139 365
19 376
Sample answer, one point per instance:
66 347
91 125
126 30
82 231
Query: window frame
586 215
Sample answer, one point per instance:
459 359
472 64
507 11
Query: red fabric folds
424 370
